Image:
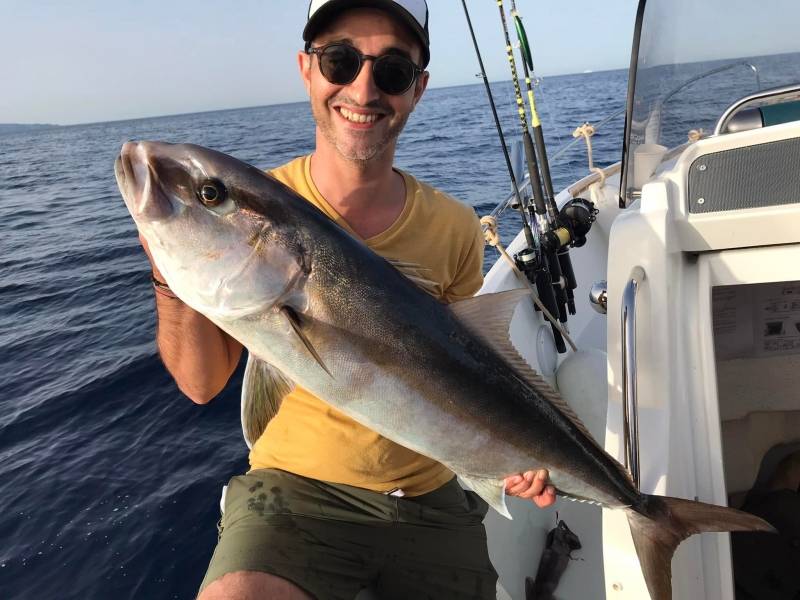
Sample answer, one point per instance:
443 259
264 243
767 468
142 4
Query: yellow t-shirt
311 438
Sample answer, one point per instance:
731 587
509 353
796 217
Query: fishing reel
577 216
528 261
575 220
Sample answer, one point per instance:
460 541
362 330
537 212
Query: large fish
305 297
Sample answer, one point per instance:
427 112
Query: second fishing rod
542 267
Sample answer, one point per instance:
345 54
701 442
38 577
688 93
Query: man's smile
359 117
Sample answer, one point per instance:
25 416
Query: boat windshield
696 58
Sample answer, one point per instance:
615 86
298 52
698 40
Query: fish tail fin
660 523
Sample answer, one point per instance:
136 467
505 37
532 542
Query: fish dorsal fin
263 390
294 321
417 274
489 317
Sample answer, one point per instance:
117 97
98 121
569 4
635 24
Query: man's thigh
272 525
332 541
438 549
252 585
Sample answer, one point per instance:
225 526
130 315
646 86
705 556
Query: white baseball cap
413 14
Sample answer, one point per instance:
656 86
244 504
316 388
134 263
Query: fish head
215 227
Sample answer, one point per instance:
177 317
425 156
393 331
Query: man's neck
368 195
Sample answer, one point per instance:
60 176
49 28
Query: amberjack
316 307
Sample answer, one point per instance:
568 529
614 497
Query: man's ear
420 85
304 63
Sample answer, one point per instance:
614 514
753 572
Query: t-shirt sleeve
469 276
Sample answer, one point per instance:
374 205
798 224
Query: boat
687 326
687 294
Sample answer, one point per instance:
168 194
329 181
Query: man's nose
363 88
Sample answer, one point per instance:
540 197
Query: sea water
109 477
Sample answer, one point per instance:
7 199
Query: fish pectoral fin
493 491
294 321
263 390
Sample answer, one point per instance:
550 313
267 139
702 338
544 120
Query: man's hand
531 485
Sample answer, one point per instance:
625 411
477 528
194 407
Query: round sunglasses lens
393 74
339 64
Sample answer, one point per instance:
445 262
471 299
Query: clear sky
99 60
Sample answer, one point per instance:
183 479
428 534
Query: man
330 507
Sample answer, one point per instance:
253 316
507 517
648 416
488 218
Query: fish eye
212 192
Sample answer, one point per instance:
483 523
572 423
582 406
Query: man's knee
252 585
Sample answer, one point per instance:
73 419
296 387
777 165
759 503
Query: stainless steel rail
630 408
790 91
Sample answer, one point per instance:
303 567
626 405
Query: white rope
586 131
489 225
696 134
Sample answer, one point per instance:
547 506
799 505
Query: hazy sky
97 60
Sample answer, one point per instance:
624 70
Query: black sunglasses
341 63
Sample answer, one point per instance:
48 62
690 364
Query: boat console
716 369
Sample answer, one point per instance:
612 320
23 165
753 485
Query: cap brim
328 11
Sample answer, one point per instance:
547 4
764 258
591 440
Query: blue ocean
110 478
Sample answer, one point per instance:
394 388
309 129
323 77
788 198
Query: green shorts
333 540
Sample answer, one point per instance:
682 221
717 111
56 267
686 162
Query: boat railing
630 400
791 91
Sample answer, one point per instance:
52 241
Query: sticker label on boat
756 320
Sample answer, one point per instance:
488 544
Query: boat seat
746 441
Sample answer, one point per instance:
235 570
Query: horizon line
212 110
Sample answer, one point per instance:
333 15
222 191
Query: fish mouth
123 171
139 184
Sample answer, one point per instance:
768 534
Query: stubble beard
354 150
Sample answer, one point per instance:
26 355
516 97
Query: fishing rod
540 207
562 273
520 204
542 266
536 124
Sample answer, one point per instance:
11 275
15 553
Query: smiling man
330 507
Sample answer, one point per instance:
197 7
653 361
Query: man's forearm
197 353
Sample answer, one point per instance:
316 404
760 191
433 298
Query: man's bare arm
198 354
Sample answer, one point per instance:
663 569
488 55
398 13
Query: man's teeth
357 117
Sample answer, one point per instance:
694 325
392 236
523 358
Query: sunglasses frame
319 51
